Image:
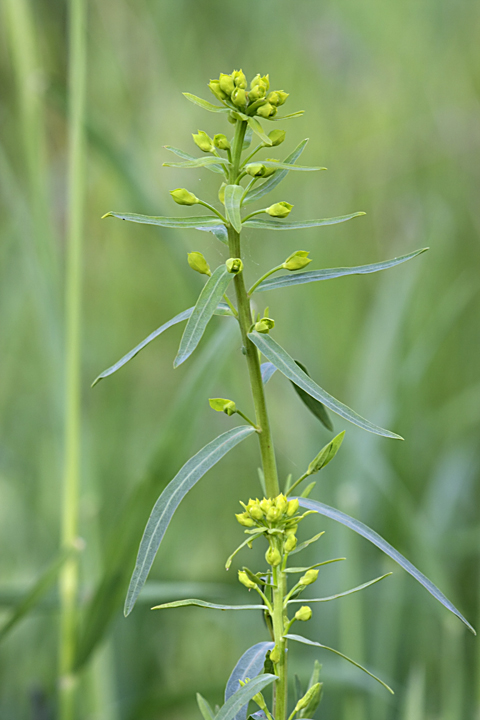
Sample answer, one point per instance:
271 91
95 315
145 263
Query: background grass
391 94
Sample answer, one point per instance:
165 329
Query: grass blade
249 666
274 180
276 225
204 604
242 697
200 223
233 198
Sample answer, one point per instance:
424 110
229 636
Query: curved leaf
233 198
274 180
299 113
290 166
242 697
201 223
199 162
287 365
170 499
203 311
267 369
327 273
276 225
222 309
305 641
204 604
258 130
383 545
187 156
205 104
249 666
315 406
342 594
205 709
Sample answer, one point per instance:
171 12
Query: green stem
264 277
69 577
249 187
297 482
247 159
214 210
279 617
247 419
256 212
230 304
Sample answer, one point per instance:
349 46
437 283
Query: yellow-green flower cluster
233 91
273 513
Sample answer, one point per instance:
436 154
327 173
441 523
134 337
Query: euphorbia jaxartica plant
275 519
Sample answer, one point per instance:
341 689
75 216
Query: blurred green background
392 109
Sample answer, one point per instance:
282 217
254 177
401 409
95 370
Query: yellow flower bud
273 557
245 520
277 137
256 512
257 79
311 693
265 111
309 577
183 197
264 325
290 543
203 141
234 265
265 504
277 97
297 260
281 503
269 170
275 654
221 193
239 79
197 262
245 580
273 514
304 614
220 141
255 169
292 530
292 507
260 700
214 86
258 92
223 405
239 98
279 210
226 83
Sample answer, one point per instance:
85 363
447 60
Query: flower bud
221 193
281 502
223 405
273 557
290 543
220 141
214 86
260 700
257 79
198 263
258 92
245 520
275 654
309 577
268 169
277 97
239 79
279 210
297 260
234 265
264 325
265 504
203 141
226 83
273 514
292 530
255 512
183 197
265 111
245 580
231 118
255 169
277 137
239 98
292 507
311 693
304 614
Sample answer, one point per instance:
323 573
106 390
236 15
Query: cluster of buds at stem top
273 513
233 91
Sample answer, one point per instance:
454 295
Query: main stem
280 699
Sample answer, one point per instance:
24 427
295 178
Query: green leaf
203 222
222 309
287 365
327 273
299 113
377 540
315 406
242 697
187 156
249 666
233 197
306 543
204 310
258 130
276 225
267 369
290 166
204 707
305 641
203 604
199 162
220 232
308 489
272 182
326 454
311 567
342 594
254 535
169 500
205 104
247 140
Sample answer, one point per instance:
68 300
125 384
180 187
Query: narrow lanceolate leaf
233 197
205 104
201 222
267 369
170 499
272 182
204 707
249 666
291 166
316 408
326 274
287 365
222 309
199 162
377 540
306 543
258 130
242 697
298 570
276 225
342 594
299 113
187 156
204 604
305 641
205 307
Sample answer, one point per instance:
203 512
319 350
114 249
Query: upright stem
281 687
76 187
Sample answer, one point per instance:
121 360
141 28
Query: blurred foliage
392 109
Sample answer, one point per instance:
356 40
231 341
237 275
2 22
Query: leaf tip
96 381
108 214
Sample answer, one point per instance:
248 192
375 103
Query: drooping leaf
282 281
267 369
249 666
242 697
202 222
342 594
205 708
187 156
222 309
233 197
287 365
205 104
204 604
199 162
315 406
272 182
305 641
383 545
283 225
169 500
246 542
205 307
258 130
